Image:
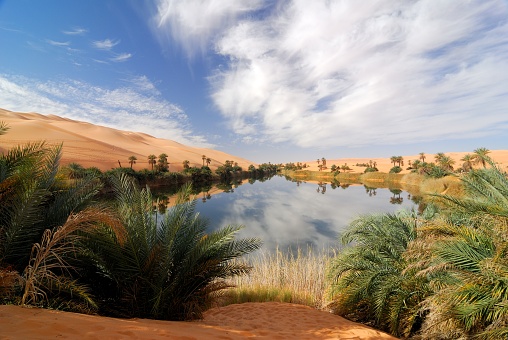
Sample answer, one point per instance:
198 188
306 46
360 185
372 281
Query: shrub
395 170
371 169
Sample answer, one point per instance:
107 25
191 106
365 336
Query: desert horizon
105 148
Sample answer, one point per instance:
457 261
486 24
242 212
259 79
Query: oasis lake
286 215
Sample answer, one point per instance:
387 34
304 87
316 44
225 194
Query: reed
295 277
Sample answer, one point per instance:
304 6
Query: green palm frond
169 266
370 280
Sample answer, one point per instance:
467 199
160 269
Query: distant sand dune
93 145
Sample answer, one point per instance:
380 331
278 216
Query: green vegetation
59 249
441 274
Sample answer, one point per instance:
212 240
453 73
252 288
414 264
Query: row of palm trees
162 161
59 249
441 274
478 157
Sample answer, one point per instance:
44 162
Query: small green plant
395 170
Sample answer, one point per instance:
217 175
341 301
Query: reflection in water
288 214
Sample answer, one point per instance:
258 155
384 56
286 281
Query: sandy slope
269 320
92 145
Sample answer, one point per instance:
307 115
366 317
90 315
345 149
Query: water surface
287 214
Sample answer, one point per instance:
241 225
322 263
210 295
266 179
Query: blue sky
274 81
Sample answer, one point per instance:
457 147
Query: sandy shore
270 320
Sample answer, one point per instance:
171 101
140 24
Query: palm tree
167 269
393 160
318 160
185 164
132 160
75 170
370 282
446 162
480 156
3 128
468 162
438 157
400 160
208 161
422 156
152 160
34 199
470 262
162 163
40 217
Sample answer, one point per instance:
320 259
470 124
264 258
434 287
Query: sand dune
93 145
270 320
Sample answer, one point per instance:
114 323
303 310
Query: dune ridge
103 147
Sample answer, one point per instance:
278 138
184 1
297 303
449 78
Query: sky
269 81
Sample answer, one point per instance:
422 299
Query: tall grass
295 277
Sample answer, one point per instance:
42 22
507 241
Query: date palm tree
152 160
40 218
438 156
162 162
470 261
468 162
167 269
422 156
204 159
185 164
480 156
3 128
370 282
132 160
446 163
208 161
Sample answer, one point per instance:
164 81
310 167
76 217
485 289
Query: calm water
286 214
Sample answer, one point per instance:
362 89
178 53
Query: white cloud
121 57
76 31
106 44
142 83
353 73
193 23
58 43
124 108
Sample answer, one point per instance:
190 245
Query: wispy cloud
142 83
344 73
58 43
121 57
76 31
106 44
123 108
195 23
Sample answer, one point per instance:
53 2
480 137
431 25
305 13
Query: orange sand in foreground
270 320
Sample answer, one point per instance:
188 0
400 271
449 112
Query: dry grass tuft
283 277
